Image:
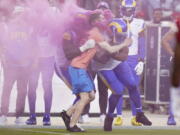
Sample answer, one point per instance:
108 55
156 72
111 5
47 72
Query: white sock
175 100
119 116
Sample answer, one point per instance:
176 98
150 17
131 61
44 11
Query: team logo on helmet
127 9
119 29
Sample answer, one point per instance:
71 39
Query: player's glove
87 45
175 101
139 68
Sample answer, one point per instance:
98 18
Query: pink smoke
55 21
6 8
40 16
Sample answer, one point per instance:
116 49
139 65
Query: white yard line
43 132
93 127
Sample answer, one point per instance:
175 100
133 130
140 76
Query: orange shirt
83 60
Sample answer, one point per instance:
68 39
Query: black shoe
31 120
46 120
76 129
66 119
108 123
141 118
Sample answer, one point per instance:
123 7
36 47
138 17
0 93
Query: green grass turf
18 131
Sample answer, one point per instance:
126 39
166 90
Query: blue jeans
46 68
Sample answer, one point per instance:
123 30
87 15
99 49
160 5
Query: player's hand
127 42
88 45
139 68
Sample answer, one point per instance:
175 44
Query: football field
47 131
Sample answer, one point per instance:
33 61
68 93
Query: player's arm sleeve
141 43
141 46
70 48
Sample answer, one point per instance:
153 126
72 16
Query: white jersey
109 65
135 27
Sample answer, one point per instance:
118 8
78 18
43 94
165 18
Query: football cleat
118 121
141 118
19 121
46 120
171 120
134 122
31 120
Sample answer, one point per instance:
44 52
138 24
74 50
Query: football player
116 73
136 53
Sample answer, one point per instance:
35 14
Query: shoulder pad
118 24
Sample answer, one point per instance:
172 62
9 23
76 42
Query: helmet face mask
127 12
127 9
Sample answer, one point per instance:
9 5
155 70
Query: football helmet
127 9
119 30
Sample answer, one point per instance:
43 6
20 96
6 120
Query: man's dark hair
94 17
